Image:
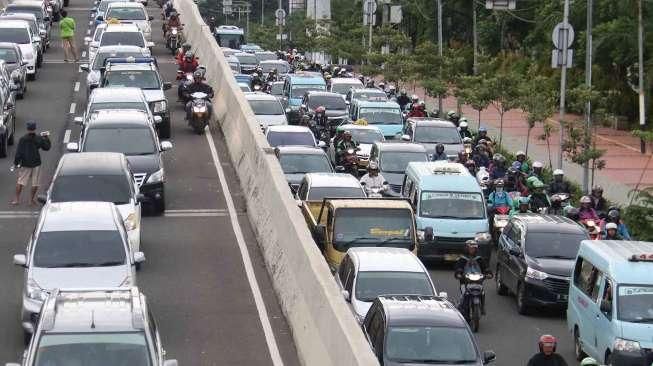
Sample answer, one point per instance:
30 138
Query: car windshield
370 95
452 205
370 285
105 4
318 193
129 141
328 102
97 248
126 13
552 244
397 161
342 88
304 163
8 55
381 116
12 8
297 91
281 67
93 348
15 35
277 89
446 345
290 138
144 79
101 57
103 188
122 39
433 134
373 227
264 56
364 136
635 303
94 107
230 40
33 26
247 59
266 107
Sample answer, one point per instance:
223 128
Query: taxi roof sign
641 257
447 169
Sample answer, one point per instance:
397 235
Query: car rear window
96 248
102 188
290 139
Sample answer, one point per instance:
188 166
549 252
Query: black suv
535 259
335 105
420 330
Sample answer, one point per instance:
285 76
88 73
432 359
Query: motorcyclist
480 156
523 164
320 117
523 206
586 211
181 53
461 158
537 170
361 78
273 76
306 121
499 198
559 185
539 199
403 100
391 92
470 261
547 355
414 100
598 202
172 22
611 232
198 85
471 166
327 80
256 80
345 144
514 182
454 117
498 168
614 216
439 153
416 110
463 129
482 135
382 86
370 83
373 179
189 64
168 8
593 230
556 206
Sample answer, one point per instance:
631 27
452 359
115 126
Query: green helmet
538 184
589 361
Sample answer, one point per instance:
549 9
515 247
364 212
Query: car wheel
3 145
578 348
608 358
522 308
502 290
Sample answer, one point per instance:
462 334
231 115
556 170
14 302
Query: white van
19 32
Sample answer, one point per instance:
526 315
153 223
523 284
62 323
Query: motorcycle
199 116
500 221
472 299
375 192
467 147
185 79
173 39
483 179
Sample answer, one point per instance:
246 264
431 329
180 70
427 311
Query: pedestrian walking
28 160
67 32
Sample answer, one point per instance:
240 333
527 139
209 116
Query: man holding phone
28 160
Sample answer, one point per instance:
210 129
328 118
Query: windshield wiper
110 263
642 320
355 240
76 264
389 240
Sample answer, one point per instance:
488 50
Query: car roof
14 23
265 52
426 121
289 129
306 78
367 90
243 54
617 256
400 146
134 66
125 4
116 94
299 150
19 15
122 27
120 48
433 174
377 104
260 96
316 93
414 310
332 180
352 126
373 203
27 3
549 223
374 259
77 216
92 163
119 118
276 62
346 81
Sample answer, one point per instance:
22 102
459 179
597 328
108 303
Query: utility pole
262 10
642 99
588 82
315 12
475 38
563 84
440 50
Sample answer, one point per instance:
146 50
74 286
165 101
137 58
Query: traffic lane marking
66 137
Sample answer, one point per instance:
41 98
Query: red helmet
547 338
320 110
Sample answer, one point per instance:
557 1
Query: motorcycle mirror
321 144
72 147
443 294
288 110
151 17
150 44
346 295
489 357
167 85
157 119
363 184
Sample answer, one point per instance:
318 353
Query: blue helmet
482 129
524 201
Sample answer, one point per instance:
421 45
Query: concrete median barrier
324 330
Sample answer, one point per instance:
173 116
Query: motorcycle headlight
625 345
156 177
131 223
35 292
200 109
535 274
160 106
174 31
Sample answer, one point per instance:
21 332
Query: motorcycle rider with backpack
470 261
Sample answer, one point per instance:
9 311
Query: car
243 79
37 8
284 135
366 94
8 106
250 48
34 27
267 109
99 176
131 13
429 132
248 62
97 61
535 259
335 105
120 35
93 42
276 89
295 87
229 36
296 161
19 32
316 186
226 51
367 273
116 98
384 114
393 159
234 64
141 73
129 132
282 67
365 136
420 330
342 86
81 326
75 245
265 55
15 66
98 12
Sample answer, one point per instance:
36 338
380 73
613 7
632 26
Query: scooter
173 39
375 192
471 302
500 221
199 116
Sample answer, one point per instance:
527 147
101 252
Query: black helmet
613 215
439 148
573 213
597 189
186 46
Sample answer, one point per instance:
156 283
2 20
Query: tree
639 214
548 129
474 91
538 100
503 90
579 150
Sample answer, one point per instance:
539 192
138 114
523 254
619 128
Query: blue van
294 88
449 209
386 115
610 308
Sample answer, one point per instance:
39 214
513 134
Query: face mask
499 189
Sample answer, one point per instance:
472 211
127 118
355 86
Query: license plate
451 257
563 297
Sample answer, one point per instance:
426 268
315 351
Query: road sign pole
563 84
642 99
475 69
440 52
588 82
369 39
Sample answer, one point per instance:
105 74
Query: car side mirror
166 145
363 184
405 137
139 257
167 85
443 295
42 199
78 120
87 40
140 198
150 44
346 295
321 144
95 44
72 147
157 119
24 63
170 363
46 19
288 110
84 67
489 357
606 306
20 260
36 39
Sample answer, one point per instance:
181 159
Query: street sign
369 7
280 14
557 59
283 36
500 4
366 19
227 10
562 33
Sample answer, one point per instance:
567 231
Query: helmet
482 129
499 183
422 104
347 133
439 147
340 129
403 92
381 84
470 164
589 361
538 184
451 114
463 124
597 189
556 172
520 153
547 339
471 244
463 119
189 54
414 98
524 201
586 199
610 226
467 140
556 198
613 215
320 110
538 165
328 77
373 166
497 157
573 213
186 46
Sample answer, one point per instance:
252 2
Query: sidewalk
624 162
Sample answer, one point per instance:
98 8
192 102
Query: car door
604 334
586 279
515 262
503 254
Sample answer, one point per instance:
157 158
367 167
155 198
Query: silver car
75 245
429 132
11 54
267 109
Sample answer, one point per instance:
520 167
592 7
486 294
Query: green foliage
503 89
638 216
537 99
580 150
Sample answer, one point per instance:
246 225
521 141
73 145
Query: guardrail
323 328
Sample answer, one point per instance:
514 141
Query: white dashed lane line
66 137
73 106
76 88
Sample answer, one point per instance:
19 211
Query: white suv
19 32
131 13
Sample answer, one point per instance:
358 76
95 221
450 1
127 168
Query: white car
366 136
98 59
122 98
366 273
94 42
131 13
18 31
267 109
119 35
344 85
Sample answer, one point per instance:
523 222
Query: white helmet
538 164
518 153
463 124
610 225
558 172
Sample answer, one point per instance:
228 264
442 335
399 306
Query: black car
420 330
129 132
393 158
535 259
334 104
296 161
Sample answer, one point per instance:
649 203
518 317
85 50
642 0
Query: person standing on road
67 32
547 355
28 160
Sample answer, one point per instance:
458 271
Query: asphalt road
195 276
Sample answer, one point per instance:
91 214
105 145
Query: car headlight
625 345
160 106
28 55
35 292
535 274
156 177
131 223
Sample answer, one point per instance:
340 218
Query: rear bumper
448 250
